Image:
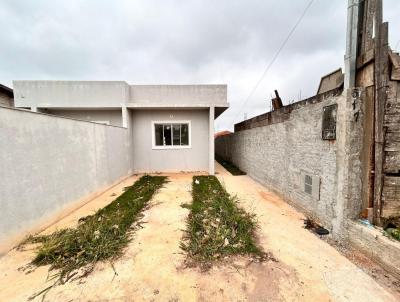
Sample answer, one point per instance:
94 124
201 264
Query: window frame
153 135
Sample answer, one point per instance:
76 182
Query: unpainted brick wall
278 156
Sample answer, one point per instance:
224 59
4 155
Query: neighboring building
333 80
172 125
6 96
222 133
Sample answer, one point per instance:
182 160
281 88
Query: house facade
171 126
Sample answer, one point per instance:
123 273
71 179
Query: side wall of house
48 162
279 150
147 159
114 117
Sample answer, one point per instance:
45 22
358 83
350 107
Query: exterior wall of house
52 161
114 117
70 94
112 94
147 159
175 95
280 149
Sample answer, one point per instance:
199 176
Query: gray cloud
179 42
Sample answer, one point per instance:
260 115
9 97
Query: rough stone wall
47 162
279 154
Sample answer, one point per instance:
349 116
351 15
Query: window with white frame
171 135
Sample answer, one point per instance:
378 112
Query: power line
274 58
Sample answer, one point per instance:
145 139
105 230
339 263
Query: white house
172 126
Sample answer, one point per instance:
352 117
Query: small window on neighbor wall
308 184
329 122
171 135
311 185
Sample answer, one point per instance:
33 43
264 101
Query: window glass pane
308 189
184 135
167 135
176 133
159 134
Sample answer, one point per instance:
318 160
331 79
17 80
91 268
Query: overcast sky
180 42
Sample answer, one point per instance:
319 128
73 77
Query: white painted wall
70 94
47 162
175 95
115 94
146 159
114 117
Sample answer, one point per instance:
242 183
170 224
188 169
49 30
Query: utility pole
351 44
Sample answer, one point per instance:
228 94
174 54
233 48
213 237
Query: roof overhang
6 90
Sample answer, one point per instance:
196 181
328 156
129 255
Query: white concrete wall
172 160
114 117
175 95
47 162
277 155
115 94
70 94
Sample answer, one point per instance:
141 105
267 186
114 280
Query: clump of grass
394 233
101 236
217 226
229 166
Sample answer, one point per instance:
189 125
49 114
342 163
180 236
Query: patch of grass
229 166
98 237
217 226
393 232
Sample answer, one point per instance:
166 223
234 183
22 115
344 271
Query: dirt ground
152 267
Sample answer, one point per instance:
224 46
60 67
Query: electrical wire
268 67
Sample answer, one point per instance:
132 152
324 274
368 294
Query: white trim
153 135
211 139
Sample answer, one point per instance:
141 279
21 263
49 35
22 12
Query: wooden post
381 83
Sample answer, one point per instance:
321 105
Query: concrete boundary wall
48 162
278 149
376 245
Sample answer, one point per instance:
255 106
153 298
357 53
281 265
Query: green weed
98 237
217 226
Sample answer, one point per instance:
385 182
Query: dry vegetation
101 236
217 227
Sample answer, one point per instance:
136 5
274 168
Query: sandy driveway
151 269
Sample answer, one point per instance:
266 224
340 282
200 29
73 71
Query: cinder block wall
279 154
48 162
